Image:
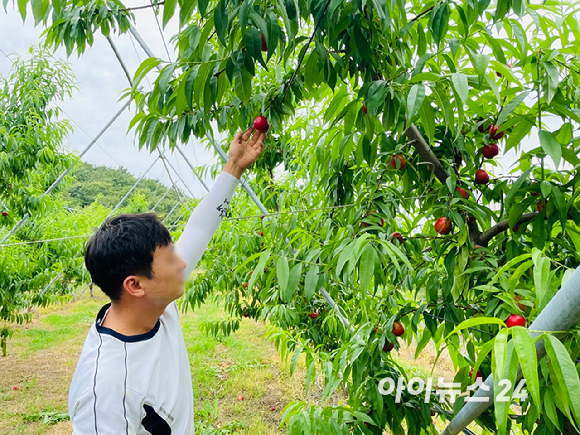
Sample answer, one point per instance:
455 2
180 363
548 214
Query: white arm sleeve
205 220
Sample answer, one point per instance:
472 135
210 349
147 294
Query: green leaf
362 45
189 86
470 323
181 101
245 13
273 33
526 351
254 45
499 361
367 267
39 8
565 371
520 130
289 25
483 352
260 23
202 6
203 72
550 408
539 232
243 85
283 274
552 80
168 11
293 281
294 359
460 84
439 21
551 146
363 417
264 257
22 8
511 106
343 258
146 66
427 115
165 77
495 47
481 63
415 100
515 213
516 187
221 21
311 281
541 277
185 11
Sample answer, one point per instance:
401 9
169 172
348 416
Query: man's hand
243 152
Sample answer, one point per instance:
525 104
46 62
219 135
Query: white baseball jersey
141 384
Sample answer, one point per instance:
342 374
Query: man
133 375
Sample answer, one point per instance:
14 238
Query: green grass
41 361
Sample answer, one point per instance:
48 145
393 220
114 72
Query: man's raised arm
207 216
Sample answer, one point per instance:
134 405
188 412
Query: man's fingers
248 132
261 140
257 141
259 145
255 138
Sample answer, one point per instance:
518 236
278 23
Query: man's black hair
124 245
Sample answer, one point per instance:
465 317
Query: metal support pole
50 284
85 289
561 313
141 42
178 176
176 223
161 199
191 166
118 56
250 192
132 188
171 211
60 178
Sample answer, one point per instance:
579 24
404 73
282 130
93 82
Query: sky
102 80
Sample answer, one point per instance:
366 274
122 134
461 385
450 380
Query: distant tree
90 183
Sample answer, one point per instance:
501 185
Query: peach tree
387 116
32 155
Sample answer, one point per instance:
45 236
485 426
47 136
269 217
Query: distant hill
107 186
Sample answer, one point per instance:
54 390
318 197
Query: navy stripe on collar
124 338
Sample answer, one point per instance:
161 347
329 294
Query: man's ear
132 286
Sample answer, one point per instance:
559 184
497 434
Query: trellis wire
171 211
161 199
192 167
225 219
116 207
179 196
61 176
165 159
132 188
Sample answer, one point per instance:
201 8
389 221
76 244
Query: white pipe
561 313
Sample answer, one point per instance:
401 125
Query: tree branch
425 152
426 11
502 226
136 8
